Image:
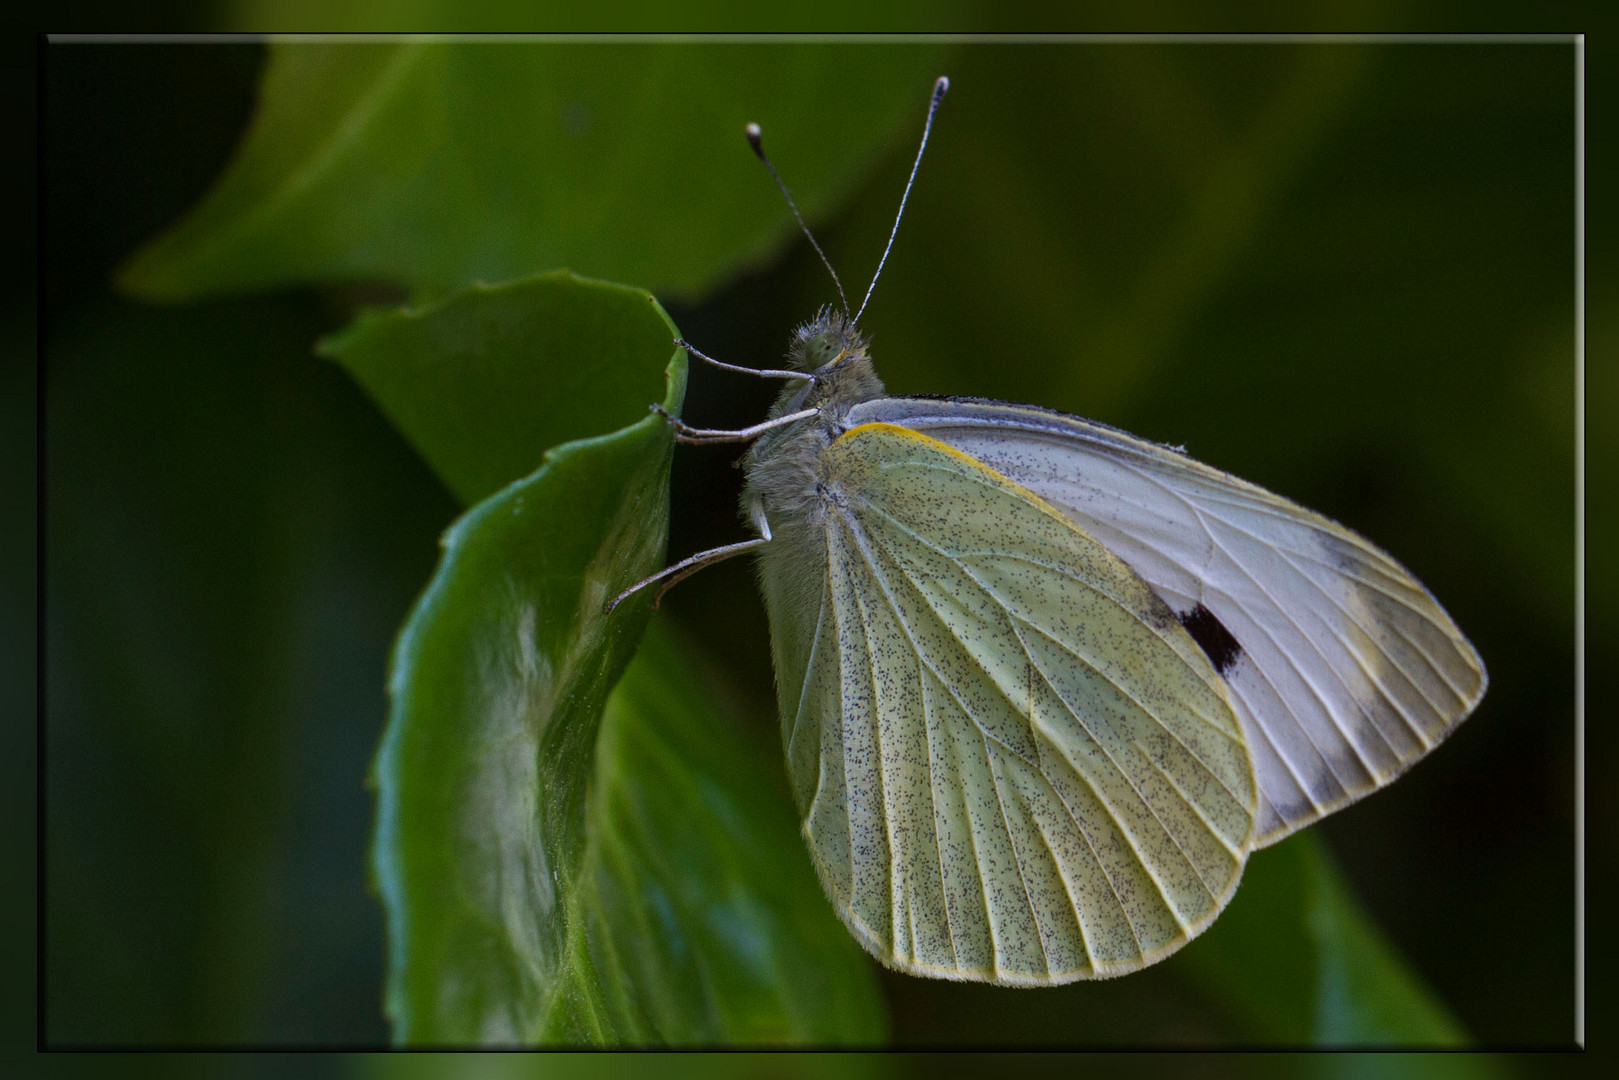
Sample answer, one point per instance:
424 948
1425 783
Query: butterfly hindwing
1014 763
1343 668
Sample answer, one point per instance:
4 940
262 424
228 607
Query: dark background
233 534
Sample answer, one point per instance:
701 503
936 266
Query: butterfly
1044 686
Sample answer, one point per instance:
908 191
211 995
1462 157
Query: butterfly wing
1013 763
1343 668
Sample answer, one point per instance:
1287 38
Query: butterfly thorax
782 467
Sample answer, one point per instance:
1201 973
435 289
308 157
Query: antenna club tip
755 139
941 87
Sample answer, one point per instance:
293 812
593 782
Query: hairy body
784 481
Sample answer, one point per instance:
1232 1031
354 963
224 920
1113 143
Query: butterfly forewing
1343 669
1014 762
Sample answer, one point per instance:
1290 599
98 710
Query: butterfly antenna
939 89
756 140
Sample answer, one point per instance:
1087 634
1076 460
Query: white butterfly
1045 685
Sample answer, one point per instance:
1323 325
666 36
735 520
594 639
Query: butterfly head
830 347
827 343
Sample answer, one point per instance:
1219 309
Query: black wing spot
1212 637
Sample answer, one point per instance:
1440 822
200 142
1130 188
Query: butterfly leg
766 373
685 568
686 434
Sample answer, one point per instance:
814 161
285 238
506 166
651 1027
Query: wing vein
1372 679
1298 669
1167 730
843 741
1235 853
809 664
1281 754
1203 519
1088 662
1114 762
1287 553
1305 731
1130 838
860 538
1065 572
933 801
1017 860
880 772
857 535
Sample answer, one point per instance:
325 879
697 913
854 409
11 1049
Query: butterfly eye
820 354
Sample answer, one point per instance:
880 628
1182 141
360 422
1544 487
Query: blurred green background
1343 271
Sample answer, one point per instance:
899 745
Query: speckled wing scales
1343 669
1014 764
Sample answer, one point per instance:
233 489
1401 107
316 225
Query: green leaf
698 918
1365 993
551 875
498 683
433 164
486 380
1330 977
